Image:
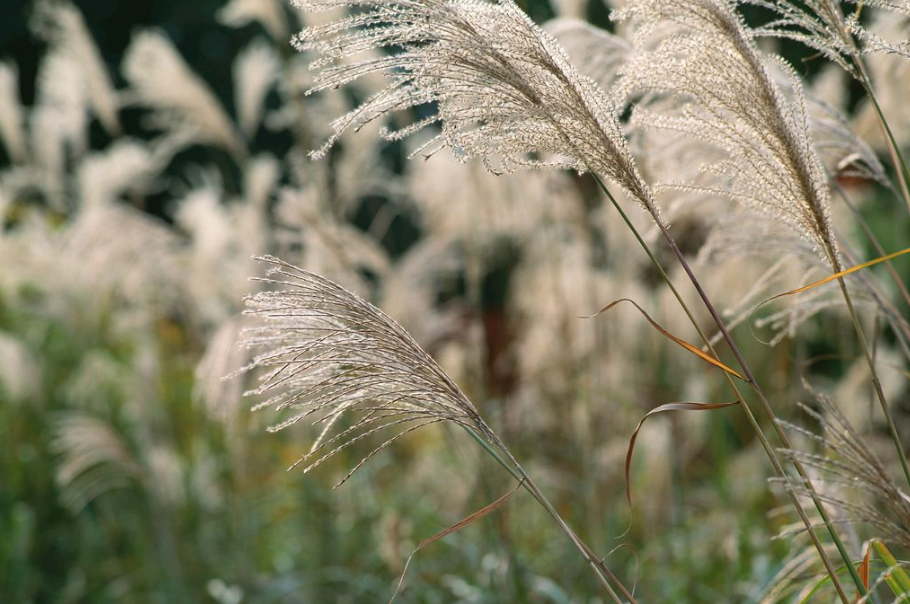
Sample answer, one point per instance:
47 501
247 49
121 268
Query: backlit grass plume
336 360
501 88
832 29
699 52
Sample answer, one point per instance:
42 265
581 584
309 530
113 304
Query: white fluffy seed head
502 90
334 359
698 54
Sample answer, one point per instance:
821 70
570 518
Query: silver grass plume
849 463
728 98
338 361
824 26
501 88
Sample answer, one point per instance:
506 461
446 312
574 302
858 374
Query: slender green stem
903 172
897 158
766 445
604 574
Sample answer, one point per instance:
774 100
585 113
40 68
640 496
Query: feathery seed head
331 355
823 25
849 462
728 98
502 89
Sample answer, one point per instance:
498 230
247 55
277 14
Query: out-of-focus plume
59 122
125 167
182 102
223 355
12 119
268 13
95 459
19 371
62 25
256 70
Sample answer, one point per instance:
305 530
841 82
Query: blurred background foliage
121 480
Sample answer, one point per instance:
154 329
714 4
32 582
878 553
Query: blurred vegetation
180 506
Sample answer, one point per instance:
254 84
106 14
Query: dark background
206 44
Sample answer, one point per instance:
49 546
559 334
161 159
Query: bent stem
753 422
604 574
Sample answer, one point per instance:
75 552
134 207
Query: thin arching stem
766 445
603 572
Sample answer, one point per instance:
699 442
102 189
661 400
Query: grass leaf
690 347
838 275
484 511
665 407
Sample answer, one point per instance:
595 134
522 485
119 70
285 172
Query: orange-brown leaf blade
484 511
842 273
679 341
864 571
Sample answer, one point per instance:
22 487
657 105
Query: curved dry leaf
665 407
484 511
690 347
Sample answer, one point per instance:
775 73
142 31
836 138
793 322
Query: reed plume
700 53
501 88
824 26
333 356
330 355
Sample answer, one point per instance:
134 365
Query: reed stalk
753 422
